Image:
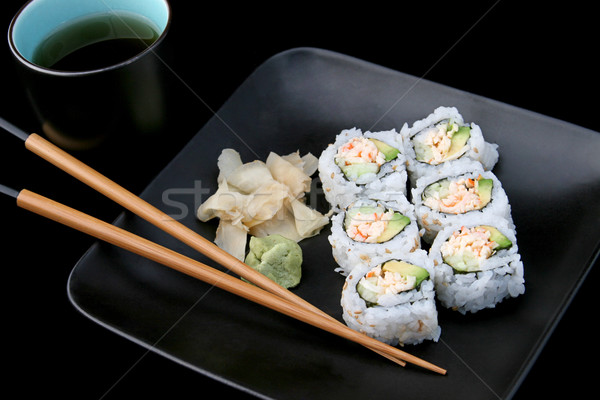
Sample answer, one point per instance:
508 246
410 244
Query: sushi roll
369 229
477 264
357 164
459 189
441 137
393 299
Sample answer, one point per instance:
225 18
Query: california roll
357 164
393 299
477 264
459 189
441 137
368 229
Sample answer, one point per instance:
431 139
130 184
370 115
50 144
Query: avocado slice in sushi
468 248
391 277
485 187
446 141
394 227
457 196
496 236
459 140
406 269
361 156
388 151
374 224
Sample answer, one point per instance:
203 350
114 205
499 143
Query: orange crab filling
463 196
440 141
368 227
360 150
470 242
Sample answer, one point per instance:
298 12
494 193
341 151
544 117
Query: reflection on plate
299 100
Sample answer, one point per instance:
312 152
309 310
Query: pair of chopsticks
266 292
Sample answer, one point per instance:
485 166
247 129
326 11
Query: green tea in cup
96 41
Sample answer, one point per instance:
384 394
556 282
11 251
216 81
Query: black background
541 59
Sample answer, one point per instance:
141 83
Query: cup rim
57 72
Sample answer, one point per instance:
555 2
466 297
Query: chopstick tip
8 191
7 126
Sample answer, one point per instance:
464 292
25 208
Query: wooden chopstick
155 252
79 170
138 206
143 209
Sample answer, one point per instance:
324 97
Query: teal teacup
91 68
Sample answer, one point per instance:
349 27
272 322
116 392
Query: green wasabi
276 257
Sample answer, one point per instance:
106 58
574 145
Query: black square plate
299 100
